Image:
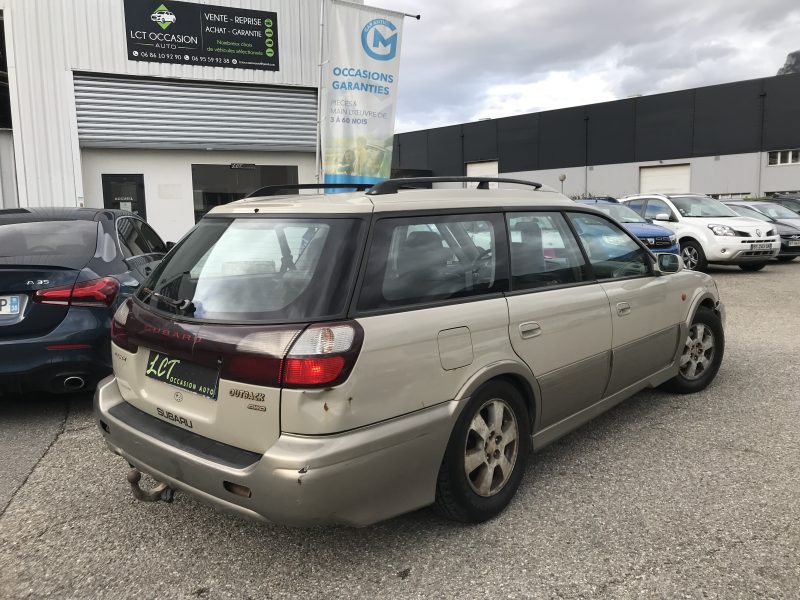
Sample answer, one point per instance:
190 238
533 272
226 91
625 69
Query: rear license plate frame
9 306
183 374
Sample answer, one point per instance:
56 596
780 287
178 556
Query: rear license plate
183 374
793 243
760 246
9 305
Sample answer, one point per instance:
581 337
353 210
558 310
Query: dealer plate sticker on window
183 374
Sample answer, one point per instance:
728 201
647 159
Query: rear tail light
119 332
97 292
321 356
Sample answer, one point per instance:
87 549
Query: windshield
749 212
258 269
776 211
621 213
49 238
701 206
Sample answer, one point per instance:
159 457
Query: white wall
168 179
726 174
47 39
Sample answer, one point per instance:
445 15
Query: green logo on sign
163 17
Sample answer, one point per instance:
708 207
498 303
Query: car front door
559 318
645 309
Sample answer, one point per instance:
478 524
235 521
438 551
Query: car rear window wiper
180 304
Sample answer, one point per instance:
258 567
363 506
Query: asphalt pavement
665 496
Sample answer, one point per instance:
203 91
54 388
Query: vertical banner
359 93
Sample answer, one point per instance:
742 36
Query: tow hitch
161 492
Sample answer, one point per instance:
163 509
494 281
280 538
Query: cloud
467 59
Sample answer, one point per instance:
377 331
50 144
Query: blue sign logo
379 39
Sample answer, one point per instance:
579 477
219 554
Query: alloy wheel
690 257
491 448
698 352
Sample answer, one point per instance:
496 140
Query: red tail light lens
306 372
98 292
119 333
323 355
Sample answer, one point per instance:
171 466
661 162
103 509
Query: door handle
623 308
529 330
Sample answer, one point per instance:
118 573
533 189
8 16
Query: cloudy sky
468 59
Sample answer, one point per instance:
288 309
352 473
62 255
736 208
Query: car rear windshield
49 238
258 269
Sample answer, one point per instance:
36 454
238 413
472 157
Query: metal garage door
161 113
488 168
671 179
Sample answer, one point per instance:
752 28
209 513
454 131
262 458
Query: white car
708 231
163 17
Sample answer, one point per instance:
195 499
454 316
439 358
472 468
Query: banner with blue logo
359 92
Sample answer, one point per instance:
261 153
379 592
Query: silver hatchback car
346 358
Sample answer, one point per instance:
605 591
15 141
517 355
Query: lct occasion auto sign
201 34
359 93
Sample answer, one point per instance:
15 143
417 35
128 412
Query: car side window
152 239
543 251
612 252
636 205
426 259
656 207
131 239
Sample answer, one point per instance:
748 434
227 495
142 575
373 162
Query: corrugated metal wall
116 112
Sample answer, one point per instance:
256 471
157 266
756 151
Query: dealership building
728 140
165 108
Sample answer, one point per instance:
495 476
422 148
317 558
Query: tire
752 266
786 258
694 259
484 492
695 355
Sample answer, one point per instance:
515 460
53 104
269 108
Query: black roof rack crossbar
391 186
275 190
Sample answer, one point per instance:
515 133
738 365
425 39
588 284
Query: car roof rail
275 190
392 186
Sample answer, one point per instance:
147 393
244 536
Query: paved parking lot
664 496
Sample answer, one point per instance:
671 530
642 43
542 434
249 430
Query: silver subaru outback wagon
313 359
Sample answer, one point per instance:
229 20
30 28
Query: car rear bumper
353 478
79 346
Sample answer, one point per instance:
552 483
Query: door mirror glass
669 263
661 217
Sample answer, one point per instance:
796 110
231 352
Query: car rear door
34 256
645 309
559 318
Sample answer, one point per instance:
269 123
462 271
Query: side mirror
662 217
668 263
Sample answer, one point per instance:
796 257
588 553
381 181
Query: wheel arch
518 375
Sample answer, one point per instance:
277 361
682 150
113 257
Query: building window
784 157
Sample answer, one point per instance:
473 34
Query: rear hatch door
217 316
36 256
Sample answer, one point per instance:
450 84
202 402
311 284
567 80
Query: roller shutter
669 179
159 113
